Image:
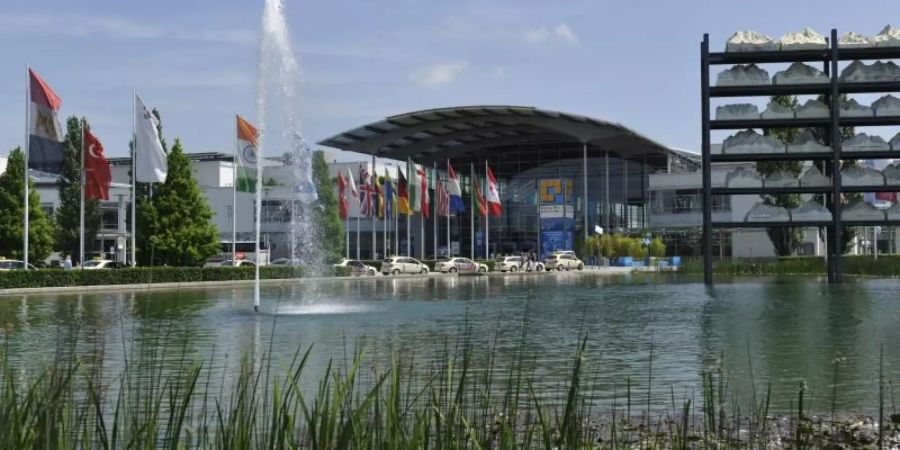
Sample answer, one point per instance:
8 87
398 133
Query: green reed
459 400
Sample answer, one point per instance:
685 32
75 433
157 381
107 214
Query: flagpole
487 217
134 151
449 209
410 207
27 145
472 210
234 178
435 220
81 207
357 234
374 212
420 198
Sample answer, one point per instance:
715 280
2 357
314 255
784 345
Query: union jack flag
367 193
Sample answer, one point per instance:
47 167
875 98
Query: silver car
402 264
563 261
518 263
459 264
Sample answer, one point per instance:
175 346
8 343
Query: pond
782 331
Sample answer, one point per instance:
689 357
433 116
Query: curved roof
437 134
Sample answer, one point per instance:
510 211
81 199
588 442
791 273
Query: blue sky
633 62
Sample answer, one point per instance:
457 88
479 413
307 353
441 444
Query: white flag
352 184
151 158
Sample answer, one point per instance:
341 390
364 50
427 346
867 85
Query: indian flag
247 156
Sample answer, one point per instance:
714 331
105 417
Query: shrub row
15 279
885 265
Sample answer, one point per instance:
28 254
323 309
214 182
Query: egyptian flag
342 196
45 143
493 196
97 175
456 201
402 194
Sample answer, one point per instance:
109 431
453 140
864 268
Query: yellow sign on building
551 191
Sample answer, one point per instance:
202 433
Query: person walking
67 263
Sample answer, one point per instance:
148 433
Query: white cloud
498 72
560 33
85 26
439 74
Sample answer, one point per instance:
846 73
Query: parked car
517 263
402 264
286 262
356 267
96 264
565 252
459 264
563 261
238 263
14 264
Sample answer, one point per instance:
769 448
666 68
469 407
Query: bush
885 265
15 279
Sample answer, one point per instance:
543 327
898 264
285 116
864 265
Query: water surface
788 331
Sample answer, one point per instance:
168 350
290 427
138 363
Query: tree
67 217
785 240
177 223
40 230
328 221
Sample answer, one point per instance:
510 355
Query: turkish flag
96 168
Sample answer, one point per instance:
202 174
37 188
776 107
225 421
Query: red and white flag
96 168
423 196
443 200
493 195
342 196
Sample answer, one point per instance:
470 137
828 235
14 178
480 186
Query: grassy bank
457 401
17 279
884 266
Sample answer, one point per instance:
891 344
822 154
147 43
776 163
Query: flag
97 175
150 157
352 185
45 141
443 200
389 197
493 196
367 194
455 193
342 196
402 194
379 194
245 163
412 188
478 198
423 194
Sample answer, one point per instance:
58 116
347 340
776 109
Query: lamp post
599 231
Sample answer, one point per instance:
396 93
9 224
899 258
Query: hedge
885 265
15 279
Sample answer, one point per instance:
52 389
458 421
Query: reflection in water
756 331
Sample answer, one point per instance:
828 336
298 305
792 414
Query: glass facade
617 202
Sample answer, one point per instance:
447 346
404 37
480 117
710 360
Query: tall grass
460 400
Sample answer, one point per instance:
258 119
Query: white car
402 264
563 261
517 263
458 264
96 264
238 263
356 267
13 264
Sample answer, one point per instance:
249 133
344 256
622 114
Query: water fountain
279 126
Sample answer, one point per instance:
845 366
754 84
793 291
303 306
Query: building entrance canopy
459 132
